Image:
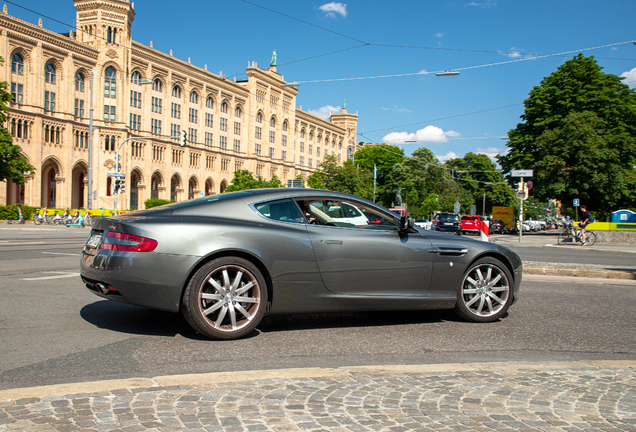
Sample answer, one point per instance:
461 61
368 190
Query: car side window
284 210
345 215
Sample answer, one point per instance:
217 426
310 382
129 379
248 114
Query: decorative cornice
22 30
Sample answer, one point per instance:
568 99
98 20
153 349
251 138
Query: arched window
107 143
209 103
156 85
272 122
284 126
49 73
237 112
17 64
302 133
110 80
109 35
135 78
259 118
114 35
79 82
194 97
224 107
176 91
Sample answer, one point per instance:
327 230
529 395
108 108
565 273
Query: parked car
224 261
471 224
497 226
423 223
447 222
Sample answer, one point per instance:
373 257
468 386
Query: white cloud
491 152
448 156
485 5
630 78
439 34
334 8
430 134
325 111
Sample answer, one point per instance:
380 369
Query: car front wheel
225 299
486 292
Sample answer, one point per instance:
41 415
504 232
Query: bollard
483 230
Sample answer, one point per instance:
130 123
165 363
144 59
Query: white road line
60 276
60 253
7 242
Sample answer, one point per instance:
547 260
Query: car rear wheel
226 298
486 292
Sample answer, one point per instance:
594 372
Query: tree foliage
12 164
479 175
345 178
243 179
578 134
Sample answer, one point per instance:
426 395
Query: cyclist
586 219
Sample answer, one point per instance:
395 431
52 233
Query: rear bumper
109 275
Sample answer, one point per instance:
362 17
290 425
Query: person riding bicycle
586 219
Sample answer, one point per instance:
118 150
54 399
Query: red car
471 224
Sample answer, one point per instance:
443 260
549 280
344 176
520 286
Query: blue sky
335 50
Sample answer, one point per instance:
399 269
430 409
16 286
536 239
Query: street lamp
447 73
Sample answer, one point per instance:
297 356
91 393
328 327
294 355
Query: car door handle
449 251
336 242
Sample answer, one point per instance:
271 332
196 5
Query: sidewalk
550 396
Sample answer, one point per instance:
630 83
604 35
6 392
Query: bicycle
88 219
570 236
40 216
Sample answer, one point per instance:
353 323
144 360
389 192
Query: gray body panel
309 268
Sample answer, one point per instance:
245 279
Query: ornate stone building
142 100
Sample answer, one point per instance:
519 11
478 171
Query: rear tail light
128 243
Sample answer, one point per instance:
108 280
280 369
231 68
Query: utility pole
89 204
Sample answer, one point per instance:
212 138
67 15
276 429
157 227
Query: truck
506 214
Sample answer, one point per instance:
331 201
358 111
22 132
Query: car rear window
473 218
448 217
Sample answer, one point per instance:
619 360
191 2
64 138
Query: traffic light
122 186
117 186
184 138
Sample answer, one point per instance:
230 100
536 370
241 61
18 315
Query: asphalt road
53 330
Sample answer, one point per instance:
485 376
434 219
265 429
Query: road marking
61 275
7 242
60 253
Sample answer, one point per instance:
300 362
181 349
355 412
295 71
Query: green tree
579 135
341 178
243 179
384 157
479 175
12 164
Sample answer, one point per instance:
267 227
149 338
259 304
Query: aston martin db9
224 261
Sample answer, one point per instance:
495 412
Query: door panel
372 262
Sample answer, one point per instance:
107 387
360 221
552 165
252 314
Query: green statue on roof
273 62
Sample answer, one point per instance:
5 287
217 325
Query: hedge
156 202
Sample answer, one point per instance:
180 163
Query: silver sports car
225 261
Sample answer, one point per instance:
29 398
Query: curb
9 397
603 274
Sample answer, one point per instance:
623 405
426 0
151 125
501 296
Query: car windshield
448 217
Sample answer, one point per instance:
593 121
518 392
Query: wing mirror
406 223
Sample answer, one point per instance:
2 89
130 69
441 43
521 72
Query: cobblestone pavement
572 396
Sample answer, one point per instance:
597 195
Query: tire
485 293
565 238
37 219
590 238
214 306
56 221
87 220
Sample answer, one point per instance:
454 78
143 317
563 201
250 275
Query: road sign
457 207
576 202
522 195
521 173
529 185
120 175
200 194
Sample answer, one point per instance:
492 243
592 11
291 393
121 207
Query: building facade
142 101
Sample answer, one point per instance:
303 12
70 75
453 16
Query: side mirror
406 223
